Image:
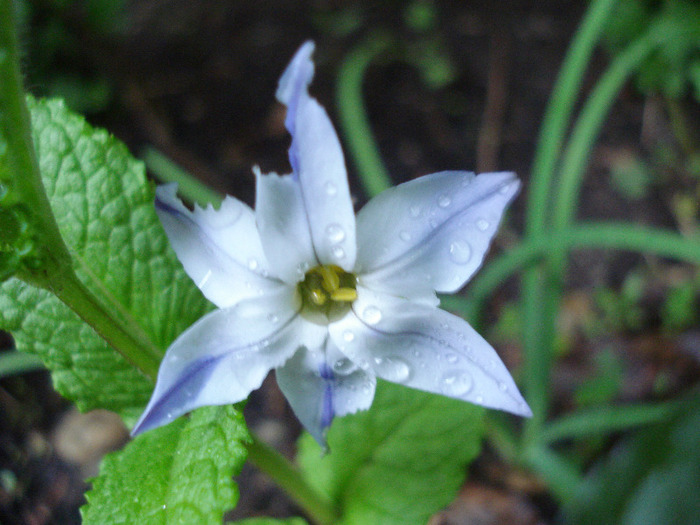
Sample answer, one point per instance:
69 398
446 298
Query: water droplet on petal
372 315
460 252
451 358
405 236
502 386
456 384
348 336
253 264
338 252
331 189
482 224
414 211
394 369
444 201
479 399
272 318
335 233
344 366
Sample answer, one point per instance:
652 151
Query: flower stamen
327 293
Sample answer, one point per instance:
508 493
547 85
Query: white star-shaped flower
329 300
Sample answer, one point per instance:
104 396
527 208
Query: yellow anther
318 297
344 294
331 281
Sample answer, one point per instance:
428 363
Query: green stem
538 359
604 420
55 271
14 363
19 169
106 318
353 116
188 186
591 120
591 235
559 110
290 479
563 477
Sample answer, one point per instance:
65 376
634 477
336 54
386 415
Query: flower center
327 292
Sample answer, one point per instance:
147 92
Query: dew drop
253 264
372 315
482 224
348 336
405 236
444 201
457 384
479 399
338 252
344 366
272 318
451 358
460 252
502 386
414 211
394 369
331 189
335 233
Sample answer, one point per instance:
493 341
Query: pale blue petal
426 348
219 249
322 384
226 354
319 166
431 234
283 226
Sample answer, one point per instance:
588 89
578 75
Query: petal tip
298 74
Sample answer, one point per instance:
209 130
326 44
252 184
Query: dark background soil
196 81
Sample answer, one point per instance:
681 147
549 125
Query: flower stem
288 477
105 316
353 116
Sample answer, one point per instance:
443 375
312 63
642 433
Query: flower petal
283 226
319 166
220 249
321 384
430 233
225 355
425 348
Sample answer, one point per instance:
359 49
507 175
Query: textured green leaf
180 473
399 462
104 209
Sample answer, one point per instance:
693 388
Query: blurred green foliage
56 34
674 69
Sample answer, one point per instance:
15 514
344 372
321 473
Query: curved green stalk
189 187
590 235
604 420
536 281
583 136
353 116
290 479
20 177
559 110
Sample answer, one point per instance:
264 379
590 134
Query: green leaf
180 473
399 462
651 477
268 521
104 209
